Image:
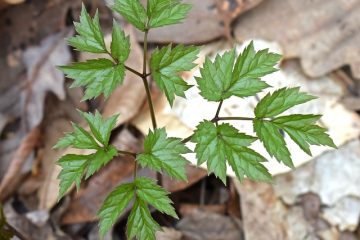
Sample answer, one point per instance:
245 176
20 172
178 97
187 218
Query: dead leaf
13 174
168 234
208 20
323 34
210 226
43 76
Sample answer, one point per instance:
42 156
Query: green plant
217 143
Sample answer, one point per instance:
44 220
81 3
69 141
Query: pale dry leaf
13 174
43 76
323 34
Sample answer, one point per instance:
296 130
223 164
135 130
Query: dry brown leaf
208 20
323 34
12 176
43 76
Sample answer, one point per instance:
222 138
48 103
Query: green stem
148 96
218 119
232 118
127 153
126 67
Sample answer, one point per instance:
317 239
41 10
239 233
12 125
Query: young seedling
218 143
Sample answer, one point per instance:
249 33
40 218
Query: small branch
232 119
134 71
218 119
16 232
127 153
218 111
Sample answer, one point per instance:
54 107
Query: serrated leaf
166 12
133 11
90 38
100 159
114 205
140 222
303 131
97 75
148 191
80 139
120 44
224 78
73 167
100 128
280 101
274 143
162 153
218 144
166 64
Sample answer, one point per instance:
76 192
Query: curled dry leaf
208 20
13 174
323 34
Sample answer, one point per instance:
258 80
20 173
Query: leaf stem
232 118
218 111
127 153
148 95
218 119
133 71
16 232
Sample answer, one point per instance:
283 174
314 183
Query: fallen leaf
13 174
323 34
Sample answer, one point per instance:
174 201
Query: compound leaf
90 38
269 134
97 75
114 205
148 191
166 64
133 11
280 101
165 12
162 153
73 167
120 44
222 79
303 131
140 222
218 144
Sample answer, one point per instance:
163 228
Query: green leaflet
148 191
133 12
273 141
114 205
218 144
222 79
165 12
97 75
303 131
100 159
120 44
100 128
162 153
73 168
5 233
158 13
140 223
90 38
80 139
166 64
280 101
